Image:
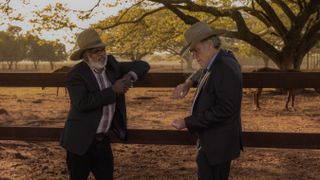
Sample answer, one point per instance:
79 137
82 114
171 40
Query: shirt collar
97 72
94 70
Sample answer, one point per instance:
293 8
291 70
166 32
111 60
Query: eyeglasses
96 50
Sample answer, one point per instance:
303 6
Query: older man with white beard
97 105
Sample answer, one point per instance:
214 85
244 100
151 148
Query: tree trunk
16 65
290 62
51 65
296 66
36 64
287 60
297 62
2 65
285 65
265 61
10 63
308 61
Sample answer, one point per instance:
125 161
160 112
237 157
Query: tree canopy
283 30
15 47
144 37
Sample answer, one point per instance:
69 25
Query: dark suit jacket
216 113
87 102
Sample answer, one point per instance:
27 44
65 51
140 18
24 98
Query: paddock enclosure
163 82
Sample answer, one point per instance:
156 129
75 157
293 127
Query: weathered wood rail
172 137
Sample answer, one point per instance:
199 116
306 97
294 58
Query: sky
64 36
101 13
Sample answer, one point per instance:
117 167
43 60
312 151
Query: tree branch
186 18
5 7
257 42
285 9
258 14
233 14
298 3
243 32
89 11
131 22
310 38
128 9
295 32
274 19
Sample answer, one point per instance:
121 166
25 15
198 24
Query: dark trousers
98 160
206 171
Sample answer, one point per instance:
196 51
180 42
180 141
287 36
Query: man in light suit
215 116
96 87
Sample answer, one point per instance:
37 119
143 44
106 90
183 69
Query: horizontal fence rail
250 80
172 137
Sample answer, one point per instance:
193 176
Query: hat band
98 41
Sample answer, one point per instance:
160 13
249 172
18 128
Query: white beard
97 64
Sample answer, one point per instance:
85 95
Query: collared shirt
212 59
108 110
203 79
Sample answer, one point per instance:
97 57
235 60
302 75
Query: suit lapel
202 83
88 73
206 76
110 70
110 75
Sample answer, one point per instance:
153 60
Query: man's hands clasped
122 85
179 93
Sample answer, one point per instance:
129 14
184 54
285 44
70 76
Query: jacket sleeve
139 67
82 99
195 77
227 89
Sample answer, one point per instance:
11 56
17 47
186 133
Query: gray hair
85 56
215 40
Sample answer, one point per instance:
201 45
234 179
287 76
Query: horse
63 69
290 95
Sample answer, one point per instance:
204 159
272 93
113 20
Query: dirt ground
154 109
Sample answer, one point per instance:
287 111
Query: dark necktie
105 109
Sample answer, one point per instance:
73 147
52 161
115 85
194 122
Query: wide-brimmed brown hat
87 39
196 33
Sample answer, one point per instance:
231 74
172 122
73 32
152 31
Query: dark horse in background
63 69
291 93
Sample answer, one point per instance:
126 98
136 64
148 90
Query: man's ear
210 43
85 55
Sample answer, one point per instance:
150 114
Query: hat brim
197 40
77 54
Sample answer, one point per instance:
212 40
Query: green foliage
11 46
43 50
158 32
52 18
15 47
283 30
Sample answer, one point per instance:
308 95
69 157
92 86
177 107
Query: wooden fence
172 137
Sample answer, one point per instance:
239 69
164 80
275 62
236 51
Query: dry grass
154 109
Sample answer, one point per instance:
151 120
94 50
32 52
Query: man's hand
181 90
122 85
128 77
179 124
